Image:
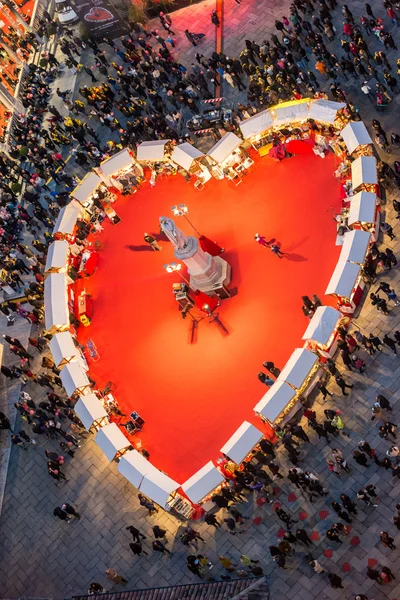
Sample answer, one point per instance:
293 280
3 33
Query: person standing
387 540
70 510
335 581
342 384
136 534
215 18
137 548
151 240
112 575
159 547
211 519
374 575
61 514
147 503
276 250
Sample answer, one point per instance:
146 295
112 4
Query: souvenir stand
66 221
294 111
64 350
301 371
346 285
278 405
357 139
242 442
201 486
56 303
227 159
134 467
111 440
163 490
355 246
85 190
321 333
90 410
57 257
188 158
364 176
256 130
326 111
74 379
119 165
364 213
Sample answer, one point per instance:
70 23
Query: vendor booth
356 138
364 175
66 220
239 446
300 371
364 213
346 285
134 466
64 350
253 129
294 111
325 110
355 246
227 159
160 488
84 191
111 440
202 485
121 165
154 151
56 303
74 379
90 410
57 257
321 333
187 157
278 404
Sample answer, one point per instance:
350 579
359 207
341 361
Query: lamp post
181 210
176 268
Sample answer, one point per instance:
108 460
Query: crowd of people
143 92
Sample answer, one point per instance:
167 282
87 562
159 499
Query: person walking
211 519
374 575
147 503
215 18
136 534
159 533
112 575
151 240
342 384
335 581
159 547
137 548
387 540
70 510
322 388
387 575
303 537
61 514
390 343
285 517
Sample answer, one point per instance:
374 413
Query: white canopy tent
158 487
111 441
202 483
298 367
325 110
115 163
256 125
363 170
56 302
74 378
134 466
67 218
86 187
362 208
355 134
184 155
322 325
152 151
274 401
57 257
355 246
90 411
63 349
224 147
288 112
242 442
343 279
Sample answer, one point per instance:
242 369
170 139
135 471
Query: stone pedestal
205 271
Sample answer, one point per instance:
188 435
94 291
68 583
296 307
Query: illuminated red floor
193 397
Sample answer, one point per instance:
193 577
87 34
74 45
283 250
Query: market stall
291 112
227 159
300 371
74 379
160 488
56 303
66 220
321 333
119 166
134 466
364 213
57 257
256 128
84 191
357 138
346 286
112 441
64 350
187 157
355 246
326 111
280 401
154 151
203 484
242 442
364 174
90 410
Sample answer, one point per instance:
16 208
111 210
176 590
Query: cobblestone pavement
41 556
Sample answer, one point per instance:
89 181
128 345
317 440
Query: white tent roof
363 170
322 325
355 134
184 154
355 246
362 208
158 487
56 300
324 110
111 440
343 279
67 217
298 367
151 150
62 347
116 162
89 409
73 377
57 255
134 466
274 401
256 124
288 112
86 187
242 442
202 483
224 147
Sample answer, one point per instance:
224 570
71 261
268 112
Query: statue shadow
231 257
139 248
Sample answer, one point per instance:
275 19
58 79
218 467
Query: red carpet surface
194 396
